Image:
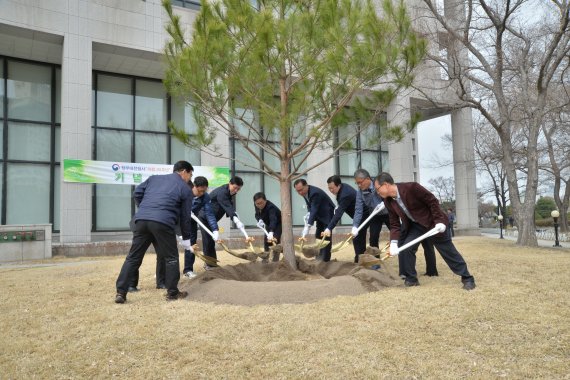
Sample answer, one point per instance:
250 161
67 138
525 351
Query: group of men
171 203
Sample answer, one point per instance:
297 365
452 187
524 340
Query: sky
431 149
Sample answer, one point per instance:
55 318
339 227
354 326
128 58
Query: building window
192 4
365 150
130 118
29 152
250 170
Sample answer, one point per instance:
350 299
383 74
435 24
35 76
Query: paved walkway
493 232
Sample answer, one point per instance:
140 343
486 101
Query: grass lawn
61 321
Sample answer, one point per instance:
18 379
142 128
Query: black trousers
375 226
145 233
324 253
208 244
452 257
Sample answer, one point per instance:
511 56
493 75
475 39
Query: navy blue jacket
320 205
346 199
221 202
271 216
166 199
199 204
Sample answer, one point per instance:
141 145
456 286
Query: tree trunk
287 216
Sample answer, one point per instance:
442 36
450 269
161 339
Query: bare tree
503 64
556 130
444 188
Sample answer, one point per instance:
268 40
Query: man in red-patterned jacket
419 211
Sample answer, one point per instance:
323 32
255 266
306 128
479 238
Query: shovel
344 243
433 231
239 255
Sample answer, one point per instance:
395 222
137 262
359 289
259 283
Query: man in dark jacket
201 202
321 210
163 202
270 215
419 211
346 199
221 201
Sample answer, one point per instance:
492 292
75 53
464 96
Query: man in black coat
321 210
270 215
221 202
346 199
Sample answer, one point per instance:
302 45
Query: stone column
464 171
401 165
76 88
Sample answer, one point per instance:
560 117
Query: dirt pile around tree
276 283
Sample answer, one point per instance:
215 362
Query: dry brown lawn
60 321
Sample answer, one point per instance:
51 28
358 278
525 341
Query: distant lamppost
500 217
555 214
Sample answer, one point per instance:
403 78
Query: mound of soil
276 283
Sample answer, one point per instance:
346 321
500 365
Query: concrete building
82 79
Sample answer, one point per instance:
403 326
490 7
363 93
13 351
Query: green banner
125 173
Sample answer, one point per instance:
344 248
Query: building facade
81 79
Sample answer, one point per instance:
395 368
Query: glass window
245 160
1 145
28 194
183 116
1 186
272 191
370 163
114 102
298 207
29 92
57 144
151 148
30 142
348 162
56 194
58 95
113 207
150 106
244 199
1 89
114 145
180 151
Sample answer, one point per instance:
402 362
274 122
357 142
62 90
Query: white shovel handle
244 233
433 231
202 225
264 231
376 210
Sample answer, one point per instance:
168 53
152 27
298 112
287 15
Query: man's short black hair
182 165
259 195
201 181
384 178
236 181
334 179
302 181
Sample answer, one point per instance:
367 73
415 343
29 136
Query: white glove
238 223
394 249
269 236
305 230
260 223
354 231
216 235
187 246
326 232
440 227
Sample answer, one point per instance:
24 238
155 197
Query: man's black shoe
161 286
177 296
469 285
121 298
133 289
411 283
